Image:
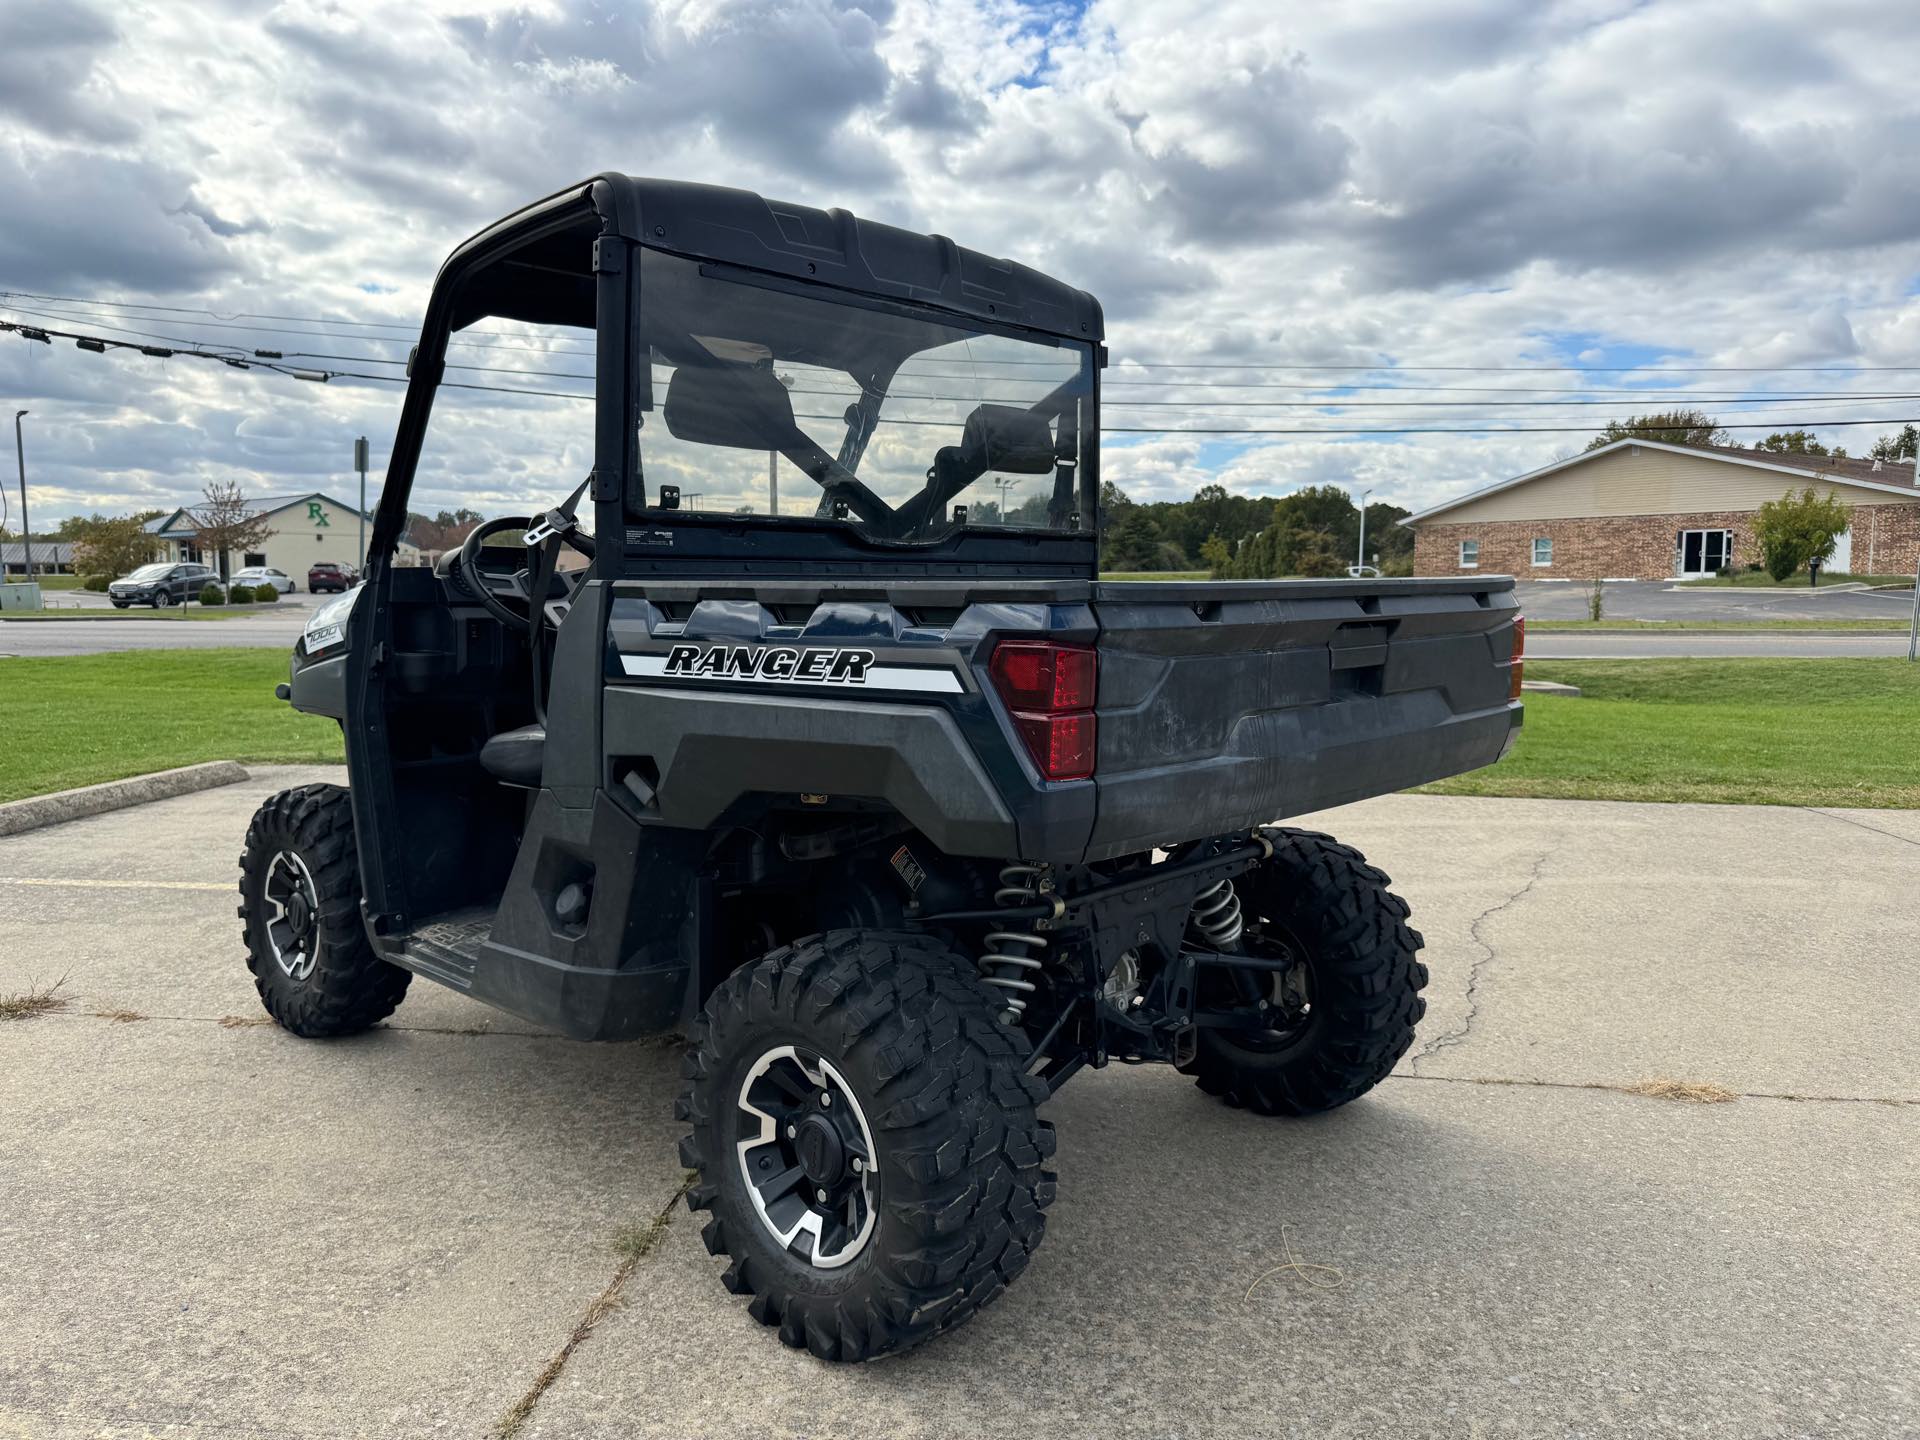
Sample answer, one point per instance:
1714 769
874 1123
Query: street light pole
360 464
20 454
1360 554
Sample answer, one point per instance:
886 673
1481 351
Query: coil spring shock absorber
1011 952
1216 915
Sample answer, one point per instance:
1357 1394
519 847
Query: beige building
1649 510
303 529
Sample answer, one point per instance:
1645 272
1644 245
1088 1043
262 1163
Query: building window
253 558
1543 550
1469 554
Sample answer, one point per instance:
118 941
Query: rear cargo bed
1227 704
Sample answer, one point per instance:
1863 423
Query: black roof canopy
546 274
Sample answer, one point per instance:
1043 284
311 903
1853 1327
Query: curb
19 816
1543 632
1548 687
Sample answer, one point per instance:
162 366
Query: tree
1133 543
1217 556
110 545
1794 442
226 521
1676 427
1904 446
1798 528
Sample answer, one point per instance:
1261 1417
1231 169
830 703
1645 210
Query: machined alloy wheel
863 1131
307 945
162 599
292 914
806 1157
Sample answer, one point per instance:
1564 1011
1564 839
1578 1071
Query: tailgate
1228 705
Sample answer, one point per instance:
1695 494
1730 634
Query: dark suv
327 575
161 585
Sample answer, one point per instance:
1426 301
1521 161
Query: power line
1115 402
223 320
104 343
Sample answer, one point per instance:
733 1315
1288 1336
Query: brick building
1648 510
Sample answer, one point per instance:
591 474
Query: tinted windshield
150 572
767 398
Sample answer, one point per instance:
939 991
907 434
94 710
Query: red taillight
1031 675
1061 745
1516 666
1050 689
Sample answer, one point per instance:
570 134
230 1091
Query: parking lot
214 1229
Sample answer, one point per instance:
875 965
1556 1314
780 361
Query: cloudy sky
1381 184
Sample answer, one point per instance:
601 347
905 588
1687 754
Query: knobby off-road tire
1322 900
900 1028
317 974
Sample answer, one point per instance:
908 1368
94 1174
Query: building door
1704 552
1841 561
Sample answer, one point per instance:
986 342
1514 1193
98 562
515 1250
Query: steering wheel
494 591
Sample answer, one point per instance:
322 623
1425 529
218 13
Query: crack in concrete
1459 1036
1629 1090
601 1306
1860 824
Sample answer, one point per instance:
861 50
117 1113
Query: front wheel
865 1140
315 970
1343 1013
162 599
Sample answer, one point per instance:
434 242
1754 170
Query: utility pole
26 527
1360 554
360 464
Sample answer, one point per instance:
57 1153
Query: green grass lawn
1869 627
1746 731
79 719
54 582
1761 580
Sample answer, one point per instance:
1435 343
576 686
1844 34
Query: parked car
265 575
326 575
161 584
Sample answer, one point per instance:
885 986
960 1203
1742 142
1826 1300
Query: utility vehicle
857 775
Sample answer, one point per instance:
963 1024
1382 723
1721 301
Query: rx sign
317 513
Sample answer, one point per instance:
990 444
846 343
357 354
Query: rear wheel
1343 1012
300 903
865 1141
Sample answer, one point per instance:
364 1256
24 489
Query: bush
212 594
263 594
240 594
96 583
1797 528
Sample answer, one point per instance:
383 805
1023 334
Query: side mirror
1008 439
737 406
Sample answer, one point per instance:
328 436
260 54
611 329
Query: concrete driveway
214 1229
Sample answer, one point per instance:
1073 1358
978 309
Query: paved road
1548 645
1662 600
279 627
216 1231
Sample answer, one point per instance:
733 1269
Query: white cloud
1404 182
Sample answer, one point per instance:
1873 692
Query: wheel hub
820 1151
806 1156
